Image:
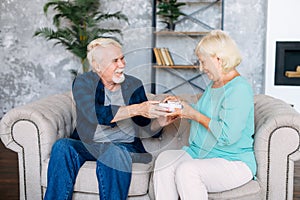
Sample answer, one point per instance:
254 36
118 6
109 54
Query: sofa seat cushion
249 191
87 180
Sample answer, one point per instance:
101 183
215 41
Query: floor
9 189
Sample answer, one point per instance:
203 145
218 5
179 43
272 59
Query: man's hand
171 98
151 109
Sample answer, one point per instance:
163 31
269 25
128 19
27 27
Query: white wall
282 25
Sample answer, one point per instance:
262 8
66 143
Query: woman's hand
162 121
189 112
185 112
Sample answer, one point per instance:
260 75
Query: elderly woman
220 153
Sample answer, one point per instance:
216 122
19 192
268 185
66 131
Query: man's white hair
99 42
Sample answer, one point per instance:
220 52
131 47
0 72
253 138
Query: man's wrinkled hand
151 109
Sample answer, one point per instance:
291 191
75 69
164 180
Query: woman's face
211 65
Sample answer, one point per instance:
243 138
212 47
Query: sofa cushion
249 191
87 180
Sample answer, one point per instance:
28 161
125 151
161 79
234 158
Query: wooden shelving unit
165 33
181 33
176 66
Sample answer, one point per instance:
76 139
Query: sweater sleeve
139 96
232 117
88 98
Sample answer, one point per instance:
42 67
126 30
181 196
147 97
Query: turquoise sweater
231 110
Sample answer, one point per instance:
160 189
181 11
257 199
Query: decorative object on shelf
293 74
169 10
77 24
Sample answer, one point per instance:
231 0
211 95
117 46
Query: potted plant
77 24
169 10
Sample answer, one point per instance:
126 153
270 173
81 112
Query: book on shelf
167 56
157 56
163 56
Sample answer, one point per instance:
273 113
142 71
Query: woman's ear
220 60
220 63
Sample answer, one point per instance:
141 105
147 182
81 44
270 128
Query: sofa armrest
276 146
31 130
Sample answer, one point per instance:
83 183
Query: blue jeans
114 165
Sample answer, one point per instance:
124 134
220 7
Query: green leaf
77 23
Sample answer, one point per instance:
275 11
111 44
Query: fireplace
287 63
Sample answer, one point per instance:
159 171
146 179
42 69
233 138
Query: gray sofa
32 129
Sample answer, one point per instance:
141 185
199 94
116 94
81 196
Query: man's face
112 64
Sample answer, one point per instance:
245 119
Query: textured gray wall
246 22
32 68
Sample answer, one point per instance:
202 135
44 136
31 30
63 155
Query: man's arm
148 109
138 107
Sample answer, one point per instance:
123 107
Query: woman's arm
189 112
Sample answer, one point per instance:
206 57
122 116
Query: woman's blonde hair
218 43
99 42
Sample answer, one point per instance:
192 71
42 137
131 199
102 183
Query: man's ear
96 66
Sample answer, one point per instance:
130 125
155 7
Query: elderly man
111 106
